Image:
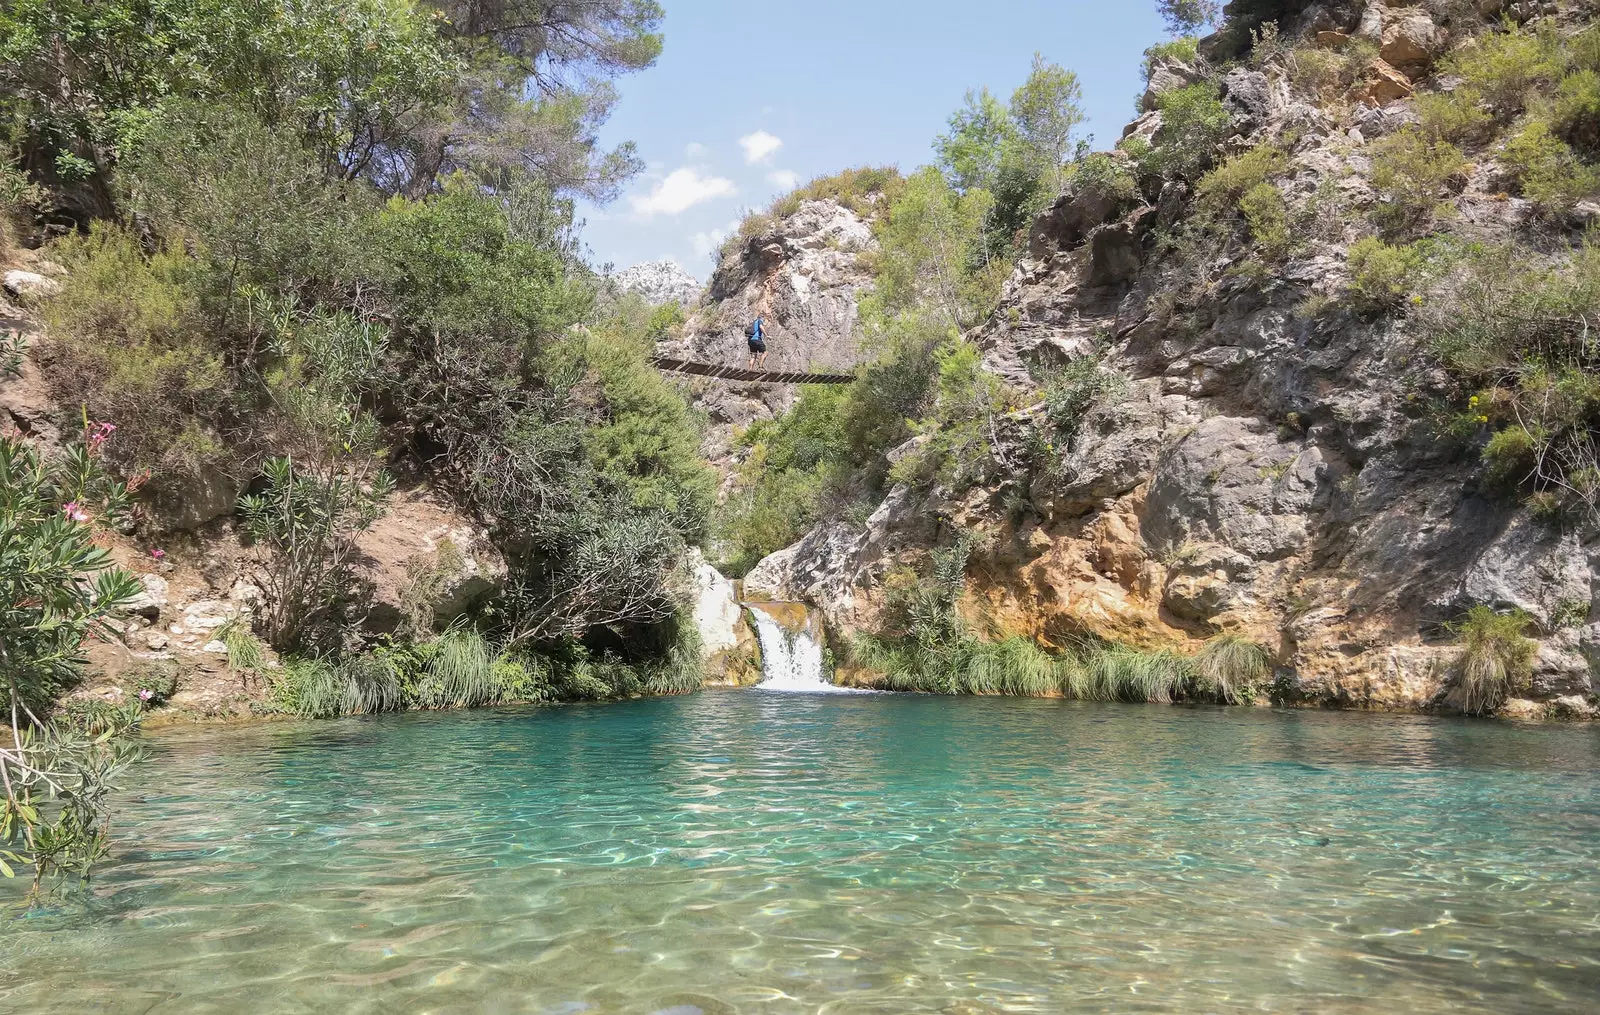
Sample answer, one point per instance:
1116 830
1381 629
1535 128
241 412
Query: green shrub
864 190
307 517
1576 114
1123 673
154 682
130 342
1453 117
246 654
320 689
1548 171
1072 393
1101 173
1505 67
1326 74
1496 659
1194 123
1185 49
1410 173
1220 191
1383 277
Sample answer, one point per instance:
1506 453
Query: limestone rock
1411 42
424 558
186 502
152 598
29 285
1371 25
1384 84
1067 223
1247 93
1166 75
727 645
661 282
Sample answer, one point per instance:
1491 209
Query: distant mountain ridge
661 282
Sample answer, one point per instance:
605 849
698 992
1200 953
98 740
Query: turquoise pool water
759 852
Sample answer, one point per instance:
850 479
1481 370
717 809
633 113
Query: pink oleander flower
158 554
100 434
74 512
146 694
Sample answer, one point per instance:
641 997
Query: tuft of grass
1231 669
246 654
461 673
319 689
1496 659
1124 673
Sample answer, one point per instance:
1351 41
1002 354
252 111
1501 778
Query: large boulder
27 285
1411 42
187 501
728 647
1166 75
425 563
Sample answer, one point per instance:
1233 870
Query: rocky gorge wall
1269 468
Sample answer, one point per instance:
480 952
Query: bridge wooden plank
732 373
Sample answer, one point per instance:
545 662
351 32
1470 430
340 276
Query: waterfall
791 660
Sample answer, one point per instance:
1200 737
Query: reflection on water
755 852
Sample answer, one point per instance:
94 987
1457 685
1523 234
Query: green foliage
1124 673
461 673
959 432
1384 277
1015 154
130 342
1514 327
155 681
1221 190
1328 75
1576 114
1243 184
1185 17
306 517
1506 67
1410 173
862 189
932 252
394 91
1072 393
1194 123
56 588
246 654
1548 170
1496 659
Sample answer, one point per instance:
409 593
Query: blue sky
812 87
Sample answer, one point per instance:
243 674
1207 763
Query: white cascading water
790 660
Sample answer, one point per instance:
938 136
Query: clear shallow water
756 852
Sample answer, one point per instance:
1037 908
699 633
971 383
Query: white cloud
784 179
710 240
758 147
679 191
693 150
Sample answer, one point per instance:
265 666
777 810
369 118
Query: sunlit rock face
661 282
1269 466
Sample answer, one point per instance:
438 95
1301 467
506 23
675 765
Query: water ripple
753 852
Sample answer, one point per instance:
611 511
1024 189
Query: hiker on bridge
756 332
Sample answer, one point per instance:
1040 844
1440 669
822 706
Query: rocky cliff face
1268 468
804 274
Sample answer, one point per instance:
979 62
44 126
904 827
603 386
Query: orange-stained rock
1384 84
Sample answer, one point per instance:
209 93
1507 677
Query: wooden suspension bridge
727 373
